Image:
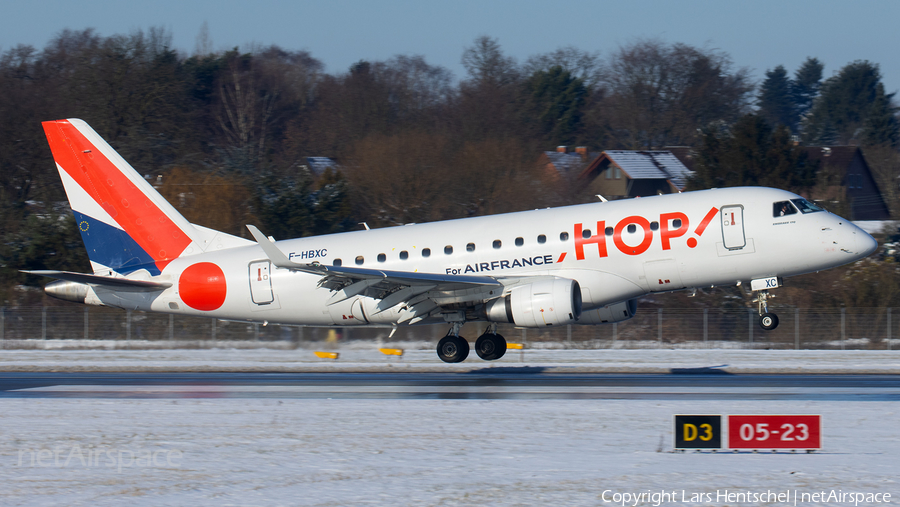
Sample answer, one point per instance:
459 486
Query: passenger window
609 231
520 241
564 236
542 239
676 223
337 262
426 252
404 255
586 233
654 226
470 247
360 260
497 244
782 208
632 228
382 257
448 250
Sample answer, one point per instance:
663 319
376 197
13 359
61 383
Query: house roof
639 165
570 163
836 156
317 165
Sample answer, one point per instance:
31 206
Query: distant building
567 164
317 165
844 176
621 173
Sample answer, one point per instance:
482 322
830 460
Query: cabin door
733 226
261 282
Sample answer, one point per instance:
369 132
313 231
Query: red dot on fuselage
202 286
692 242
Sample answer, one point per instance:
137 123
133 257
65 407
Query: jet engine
543 302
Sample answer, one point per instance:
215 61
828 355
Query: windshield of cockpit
784 208
805 206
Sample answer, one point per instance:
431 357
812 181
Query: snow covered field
413 452
416 452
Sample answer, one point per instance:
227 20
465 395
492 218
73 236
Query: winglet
272 252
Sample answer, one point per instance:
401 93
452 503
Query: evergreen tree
553 102
751 153
806 84
840 112
776 102
881 127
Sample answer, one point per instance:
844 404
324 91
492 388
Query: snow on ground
417 452
366 357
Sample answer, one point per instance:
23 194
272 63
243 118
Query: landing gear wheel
768 321
490 347
453 349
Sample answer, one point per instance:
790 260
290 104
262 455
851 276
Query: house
566 164
318 165
623 173
844 176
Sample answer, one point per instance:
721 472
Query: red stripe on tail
147 225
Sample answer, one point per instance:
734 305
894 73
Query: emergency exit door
261 282
733 227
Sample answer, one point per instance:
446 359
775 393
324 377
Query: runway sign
698 431
774 432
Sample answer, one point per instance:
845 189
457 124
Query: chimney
583 151
562 149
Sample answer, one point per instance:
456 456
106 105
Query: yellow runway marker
391 352
326 355
516 346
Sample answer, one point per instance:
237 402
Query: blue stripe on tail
113 247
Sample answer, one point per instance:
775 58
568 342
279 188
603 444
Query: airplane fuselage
616 251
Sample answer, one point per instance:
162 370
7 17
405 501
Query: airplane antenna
603 199
365 225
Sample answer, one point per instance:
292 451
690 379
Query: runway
521 383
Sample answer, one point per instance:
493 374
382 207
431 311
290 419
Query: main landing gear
490 346
767 321
455 349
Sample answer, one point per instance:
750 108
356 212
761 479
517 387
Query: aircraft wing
423 293
103 281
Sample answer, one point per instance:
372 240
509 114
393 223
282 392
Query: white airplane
583 264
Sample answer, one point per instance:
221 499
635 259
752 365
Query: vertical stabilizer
126 225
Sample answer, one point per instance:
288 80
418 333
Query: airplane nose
865 243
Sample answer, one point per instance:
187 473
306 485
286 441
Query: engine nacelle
544 302
610 313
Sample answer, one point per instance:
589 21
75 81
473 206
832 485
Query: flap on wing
103 281
349 274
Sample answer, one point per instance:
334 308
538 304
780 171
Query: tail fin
125 224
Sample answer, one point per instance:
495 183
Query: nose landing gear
767 320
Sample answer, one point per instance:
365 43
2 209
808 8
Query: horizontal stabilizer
103 281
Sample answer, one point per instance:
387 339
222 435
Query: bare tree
581 64
662 94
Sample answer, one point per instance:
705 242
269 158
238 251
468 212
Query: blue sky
758 34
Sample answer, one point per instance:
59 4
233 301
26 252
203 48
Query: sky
758 34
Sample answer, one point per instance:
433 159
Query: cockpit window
806 206
782 208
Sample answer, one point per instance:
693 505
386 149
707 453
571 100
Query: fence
799 328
